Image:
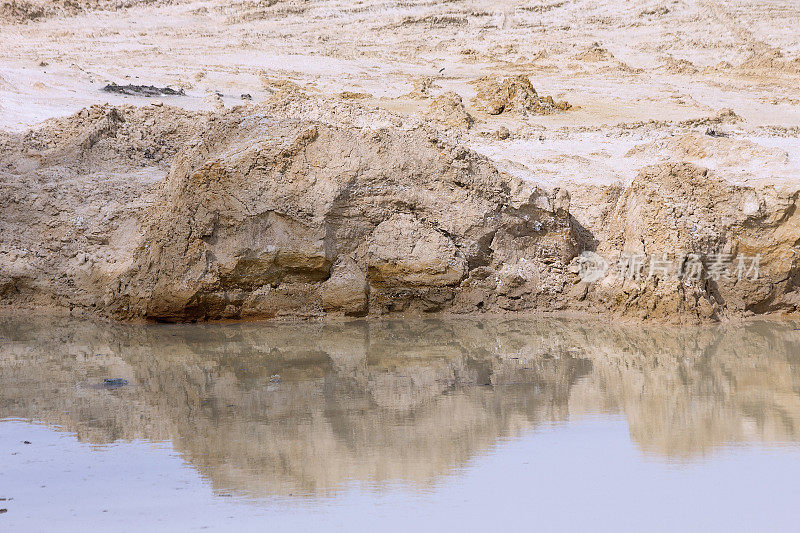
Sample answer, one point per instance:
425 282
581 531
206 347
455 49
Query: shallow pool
533 424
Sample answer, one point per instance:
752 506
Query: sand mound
264 215
302 206
702 214
448 109
596 53
735 156
102 137
678 66
22 11
773 61
514 94
76 193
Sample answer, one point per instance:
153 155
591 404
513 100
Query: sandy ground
637 74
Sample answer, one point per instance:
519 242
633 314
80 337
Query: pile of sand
596 53
515 94
448 109
102 137
23 11
713 152
773 61
421 87
679 66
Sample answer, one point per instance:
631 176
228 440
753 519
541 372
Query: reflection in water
279 409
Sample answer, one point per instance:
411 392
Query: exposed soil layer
324 159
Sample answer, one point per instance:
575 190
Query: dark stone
143 90
114 383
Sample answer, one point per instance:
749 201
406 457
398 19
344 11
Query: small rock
246 96
714 132
114 383
142 90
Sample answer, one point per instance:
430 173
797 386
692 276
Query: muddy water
428 425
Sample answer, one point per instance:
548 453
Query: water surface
543 424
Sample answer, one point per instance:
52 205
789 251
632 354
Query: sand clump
260 212
596 53
421 87
679 66
26 11
448 109
406 216
514 95
701 212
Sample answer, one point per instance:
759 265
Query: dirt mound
23 11
302 206
102 137
264 215
77 191
721 153
448 109
596 53
515 94
773 61
673 210
678 66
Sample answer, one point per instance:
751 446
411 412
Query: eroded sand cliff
446 164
